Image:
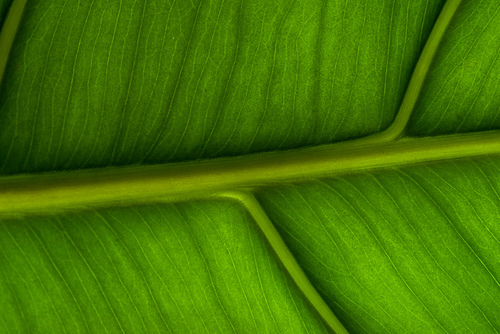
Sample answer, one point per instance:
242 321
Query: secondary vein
398 126
286 257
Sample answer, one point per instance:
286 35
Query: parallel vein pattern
108 83
463 89
410 249
99 83
200 267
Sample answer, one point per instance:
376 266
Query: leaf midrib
52 192
60 191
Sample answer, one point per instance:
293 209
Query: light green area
286 257
200 267
462 93
98 83
411 249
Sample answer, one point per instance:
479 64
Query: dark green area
4 6
93 84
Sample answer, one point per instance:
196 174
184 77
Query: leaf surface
93 84
383 240
200 267
407 248
463 91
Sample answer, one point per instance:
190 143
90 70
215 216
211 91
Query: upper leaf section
463 91
115 83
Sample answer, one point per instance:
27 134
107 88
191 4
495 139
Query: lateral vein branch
286 257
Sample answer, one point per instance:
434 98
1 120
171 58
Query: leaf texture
412 249
462 93
116 83
99 83
198 267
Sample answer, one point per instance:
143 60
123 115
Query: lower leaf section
412 249
409 249
198 267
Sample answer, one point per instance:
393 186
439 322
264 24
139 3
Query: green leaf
153 268
408 247
95 84
289 195
462 93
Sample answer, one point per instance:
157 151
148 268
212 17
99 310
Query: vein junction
59 191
